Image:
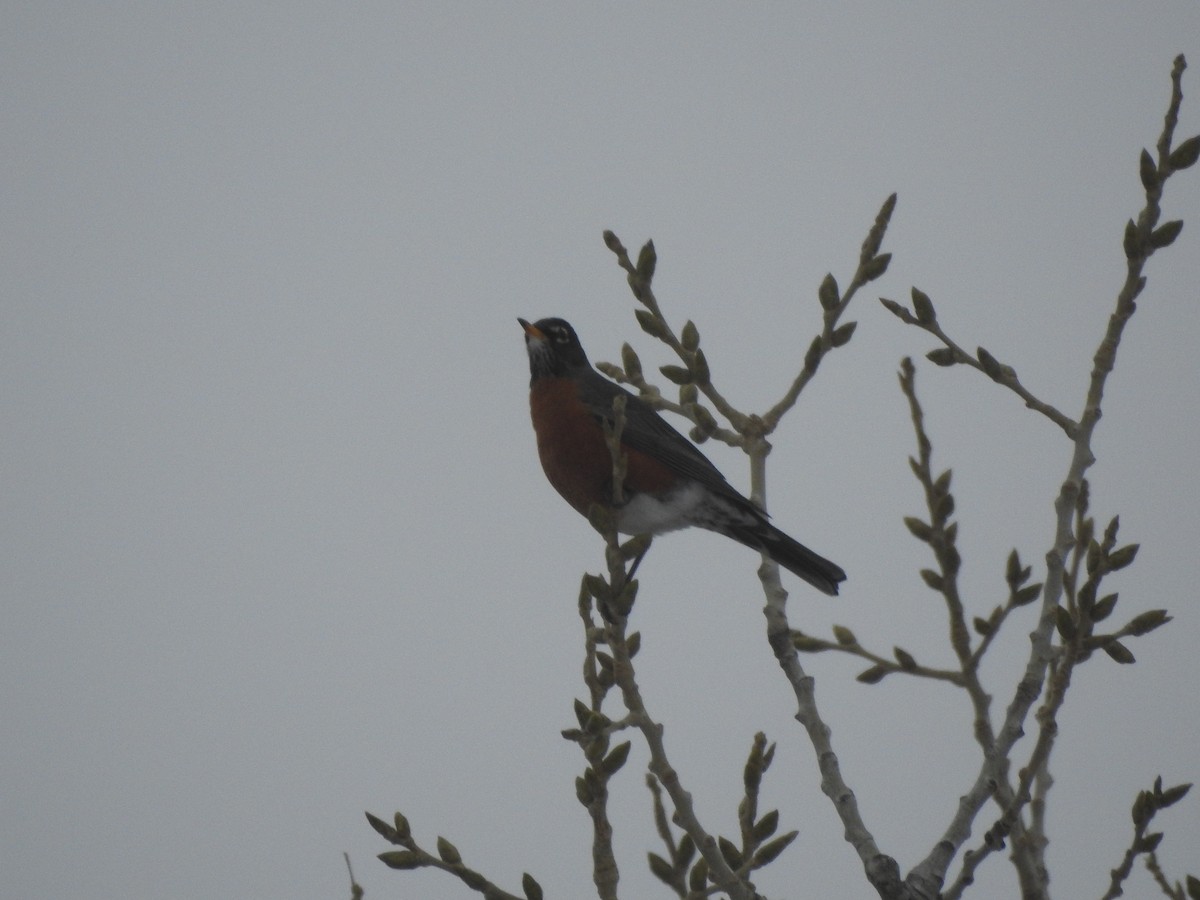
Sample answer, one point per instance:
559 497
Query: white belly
646 514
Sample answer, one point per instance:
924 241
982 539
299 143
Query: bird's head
553 347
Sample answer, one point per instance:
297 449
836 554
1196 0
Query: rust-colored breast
574 455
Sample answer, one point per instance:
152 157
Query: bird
669 484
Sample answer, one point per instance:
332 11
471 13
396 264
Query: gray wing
647 431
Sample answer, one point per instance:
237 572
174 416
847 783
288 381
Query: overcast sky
277 545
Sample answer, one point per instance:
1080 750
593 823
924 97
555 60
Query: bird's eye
561 336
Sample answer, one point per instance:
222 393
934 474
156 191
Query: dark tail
792 555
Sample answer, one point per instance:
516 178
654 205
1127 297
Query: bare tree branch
1139 245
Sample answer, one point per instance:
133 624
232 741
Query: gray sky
278 548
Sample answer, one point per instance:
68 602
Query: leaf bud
689 336
827 293
647 260
1148 170
629 359
1185 155
923 307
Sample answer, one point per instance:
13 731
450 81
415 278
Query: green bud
875 236
676 374
698 877
612 763
806 644
1149 842
942 484
633 643
920 530
1185 155
1119 652
769 852
583 791
650 323
403 832
402 859
385 830
827 293
596 587
1087 597
766 826
533 890
1110 533
661 869
1027 595
1065 623
616 373
448 852
1131 241
729 850
1173 795
842 334
704 419
1143 808
595 748
1164 235
991 366
1104 607
876 266
647 260
923 307
629 359
583 713
1148 170
1012 569
686 851
873 675
898 311
1147 622
1122 557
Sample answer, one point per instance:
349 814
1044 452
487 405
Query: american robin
669 483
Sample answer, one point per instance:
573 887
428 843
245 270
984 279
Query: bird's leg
637 561
618 607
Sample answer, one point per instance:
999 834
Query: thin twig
621 592
984 362
639 277
994 770
871 265
882 666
